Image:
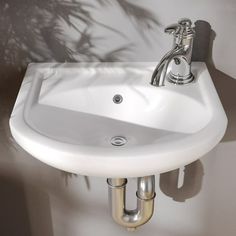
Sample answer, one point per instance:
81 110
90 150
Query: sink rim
23 134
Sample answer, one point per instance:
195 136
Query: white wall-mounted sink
65 116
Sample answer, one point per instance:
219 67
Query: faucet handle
177 31
174 29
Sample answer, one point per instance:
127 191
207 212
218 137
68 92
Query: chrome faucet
175 66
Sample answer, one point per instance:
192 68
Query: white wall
35 199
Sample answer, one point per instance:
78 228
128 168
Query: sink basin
105 119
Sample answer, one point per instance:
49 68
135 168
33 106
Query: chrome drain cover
117 99
118 141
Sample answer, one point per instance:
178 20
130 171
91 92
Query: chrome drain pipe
145 194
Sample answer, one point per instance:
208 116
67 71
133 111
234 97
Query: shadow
141 18
13 214
225 85
24 210
67 176
202 42
192 183
39 211
36 31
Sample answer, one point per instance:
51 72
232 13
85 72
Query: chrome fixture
177 62
117 99
145 194
118 141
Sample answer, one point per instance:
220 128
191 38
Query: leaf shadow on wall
34 31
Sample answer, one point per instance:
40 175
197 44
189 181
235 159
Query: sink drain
118 141
117 99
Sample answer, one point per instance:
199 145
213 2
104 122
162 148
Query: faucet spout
159 74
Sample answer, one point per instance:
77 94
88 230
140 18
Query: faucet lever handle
177 31
174 29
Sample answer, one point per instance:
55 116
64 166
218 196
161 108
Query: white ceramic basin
65 116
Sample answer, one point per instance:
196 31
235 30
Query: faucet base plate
180 80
